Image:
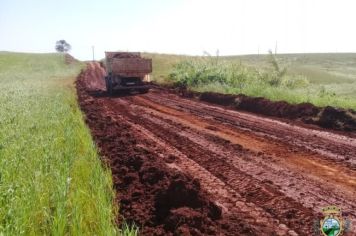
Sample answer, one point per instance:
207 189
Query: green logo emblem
333 223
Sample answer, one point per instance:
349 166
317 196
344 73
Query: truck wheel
142 91
108 85
110 91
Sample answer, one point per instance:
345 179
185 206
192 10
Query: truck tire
143 91
110 90
108 84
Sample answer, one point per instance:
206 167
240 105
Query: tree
62 46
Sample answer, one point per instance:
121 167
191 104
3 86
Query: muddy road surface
241 174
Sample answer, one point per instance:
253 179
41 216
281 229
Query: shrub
209 70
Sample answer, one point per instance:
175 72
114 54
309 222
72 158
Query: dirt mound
328 117
279 109
93 77
158 199
334 118
217 98
69 59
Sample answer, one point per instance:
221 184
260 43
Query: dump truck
127 71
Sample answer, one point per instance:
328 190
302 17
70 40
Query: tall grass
52 181
162 65
272 81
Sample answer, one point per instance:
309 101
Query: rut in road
271 175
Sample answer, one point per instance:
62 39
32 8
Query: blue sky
179 26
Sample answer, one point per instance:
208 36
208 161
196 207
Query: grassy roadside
51 179
321 79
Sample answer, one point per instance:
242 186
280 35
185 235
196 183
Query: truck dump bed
127 71
128 64
110 55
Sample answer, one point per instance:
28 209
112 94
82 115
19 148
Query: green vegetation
162 65
52 181
322 79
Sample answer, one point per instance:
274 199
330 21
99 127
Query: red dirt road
268 177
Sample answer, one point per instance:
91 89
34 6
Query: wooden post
92 47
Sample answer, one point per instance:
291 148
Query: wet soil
185 167
326 117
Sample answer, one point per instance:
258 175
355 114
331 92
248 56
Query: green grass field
52 181
332 77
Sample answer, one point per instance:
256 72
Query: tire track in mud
248 162
269 177
249 121
326 194
161 200
175 157
261 199
328 144
290 155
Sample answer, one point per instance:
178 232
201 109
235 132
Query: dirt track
268 177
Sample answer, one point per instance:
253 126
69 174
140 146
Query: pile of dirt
69 59
339 119
160 200
327 117
279 108
94 78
